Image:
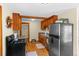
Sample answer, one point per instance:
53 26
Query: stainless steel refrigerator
61 39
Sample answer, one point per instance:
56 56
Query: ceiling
40 9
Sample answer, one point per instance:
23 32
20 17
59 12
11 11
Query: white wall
71 14
35 27
5 31
78 31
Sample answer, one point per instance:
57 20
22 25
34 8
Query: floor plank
30 47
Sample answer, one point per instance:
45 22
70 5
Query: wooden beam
33 17
25 23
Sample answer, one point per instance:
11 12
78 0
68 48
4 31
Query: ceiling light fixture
32 19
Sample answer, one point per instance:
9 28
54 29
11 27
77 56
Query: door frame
1 28
28 30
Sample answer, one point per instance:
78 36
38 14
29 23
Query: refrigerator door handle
52 41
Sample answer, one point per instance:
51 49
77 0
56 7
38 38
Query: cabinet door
16 21
42 25
46 23
53 19
49 21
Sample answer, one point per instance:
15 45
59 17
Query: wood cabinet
42 39
46 22
16 23
0 30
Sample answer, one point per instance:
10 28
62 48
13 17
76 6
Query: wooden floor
30 47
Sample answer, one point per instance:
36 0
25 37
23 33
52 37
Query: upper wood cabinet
16 21
46 22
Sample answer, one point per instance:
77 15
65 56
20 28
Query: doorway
24 32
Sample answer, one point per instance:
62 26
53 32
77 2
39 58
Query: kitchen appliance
60 39
15 48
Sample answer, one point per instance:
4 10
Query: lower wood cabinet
43 40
